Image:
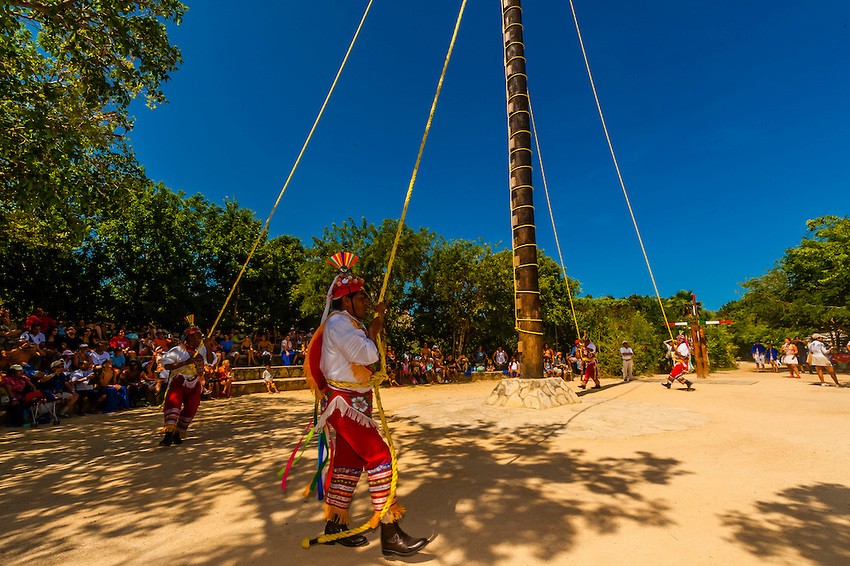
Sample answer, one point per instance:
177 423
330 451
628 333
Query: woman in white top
820 359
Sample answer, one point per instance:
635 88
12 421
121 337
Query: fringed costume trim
338 403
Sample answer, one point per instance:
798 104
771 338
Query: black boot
395 541
176 438
350 541
167 439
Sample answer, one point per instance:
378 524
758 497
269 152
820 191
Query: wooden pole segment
522 204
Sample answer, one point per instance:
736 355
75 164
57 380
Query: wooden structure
528 314
700 346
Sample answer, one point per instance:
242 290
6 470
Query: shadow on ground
71 489
811 520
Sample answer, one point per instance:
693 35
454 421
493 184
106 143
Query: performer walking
341 358
186 364
588 358
681 355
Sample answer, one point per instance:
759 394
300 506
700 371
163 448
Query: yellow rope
552 216
617 167
381 375
301 153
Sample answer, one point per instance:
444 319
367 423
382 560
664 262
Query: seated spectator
225 379
450 369
513 367
80 355
227 347
8 335
67 358
287 350
84 385
265 348
268 380
463 364
404 368
98 356
479 359
153 384
56 384
131 378
71 340
247 349
34 335
118 359
17 385
120 341
112 395
212 380
160 343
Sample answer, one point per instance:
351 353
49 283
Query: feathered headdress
192 329
345 283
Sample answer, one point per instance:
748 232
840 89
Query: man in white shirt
33 335
185 362
681 356
341 360
626 354
98 356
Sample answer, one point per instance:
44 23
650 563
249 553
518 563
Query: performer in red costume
341 358
186 364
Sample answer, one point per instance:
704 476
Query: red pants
590 373
181 404
678 372
358 447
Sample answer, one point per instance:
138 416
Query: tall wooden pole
522 209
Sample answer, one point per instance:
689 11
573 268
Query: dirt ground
751 468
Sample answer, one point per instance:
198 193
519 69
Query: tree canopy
808 289
68 72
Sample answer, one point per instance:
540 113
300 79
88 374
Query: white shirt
80 380
34 338
179 354
683 353
818 348
626 353
345 346
98 359
501 357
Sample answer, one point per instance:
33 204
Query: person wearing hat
57 384
15 382
681 356
185 362
341 359
626 353
820 359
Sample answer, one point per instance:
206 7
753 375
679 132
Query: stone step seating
248 380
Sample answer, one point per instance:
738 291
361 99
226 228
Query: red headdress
346 283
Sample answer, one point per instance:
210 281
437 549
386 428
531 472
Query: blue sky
730 121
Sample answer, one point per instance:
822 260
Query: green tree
808 289
68 72
372 244
464 295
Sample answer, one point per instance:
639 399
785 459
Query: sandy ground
748 469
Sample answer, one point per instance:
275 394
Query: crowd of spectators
71 369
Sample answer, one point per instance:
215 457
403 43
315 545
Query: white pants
628 370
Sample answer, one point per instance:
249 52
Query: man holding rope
186 364
341 359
